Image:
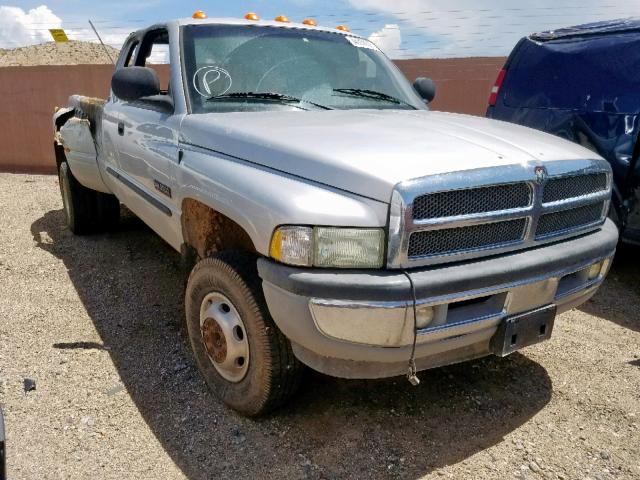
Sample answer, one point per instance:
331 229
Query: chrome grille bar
475 216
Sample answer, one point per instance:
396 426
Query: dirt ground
96 322
50 53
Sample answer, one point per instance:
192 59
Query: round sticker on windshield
212 81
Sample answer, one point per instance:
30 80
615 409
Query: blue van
582 83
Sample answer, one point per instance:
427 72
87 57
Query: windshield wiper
278 97
372 94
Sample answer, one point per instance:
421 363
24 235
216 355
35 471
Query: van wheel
86 210
244 358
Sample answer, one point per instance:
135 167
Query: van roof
588 29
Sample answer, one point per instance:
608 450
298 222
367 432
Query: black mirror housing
425 88
134 83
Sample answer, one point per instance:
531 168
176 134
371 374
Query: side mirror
425 88
134 83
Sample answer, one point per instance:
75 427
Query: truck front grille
558 222
460 223
461 239
574 186
473 200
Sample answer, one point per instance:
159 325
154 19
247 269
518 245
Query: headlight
329 247
292 245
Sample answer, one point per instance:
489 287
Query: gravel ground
73 52
97 323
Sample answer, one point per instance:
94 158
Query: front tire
245 360
86 211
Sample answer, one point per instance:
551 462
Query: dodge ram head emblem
541 174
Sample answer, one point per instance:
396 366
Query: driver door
148 144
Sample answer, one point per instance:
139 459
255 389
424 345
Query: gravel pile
97 380
70 53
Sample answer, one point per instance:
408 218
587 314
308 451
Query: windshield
231 68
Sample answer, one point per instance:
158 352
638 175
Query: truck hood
367 152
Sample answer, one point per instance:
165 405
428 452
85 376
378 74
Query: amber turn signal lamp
282 18
251 16
344 28
310 21
199 14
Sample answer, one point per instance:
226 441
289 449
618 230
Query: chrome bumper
390 324
360 324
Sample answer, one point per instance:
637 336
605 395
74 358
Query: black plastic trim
149 198
440 280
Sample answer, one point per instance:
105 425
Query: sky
401 28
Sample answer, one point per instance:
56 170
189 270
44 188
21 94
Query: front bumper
359 323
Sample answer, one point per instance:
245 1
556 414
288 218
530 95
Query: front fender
260 199
80 152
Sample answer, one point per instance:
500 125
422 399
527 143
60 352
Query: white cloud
491 27
19 28
388 39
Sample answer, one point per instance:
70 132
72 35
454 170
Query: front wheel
246 361
86 211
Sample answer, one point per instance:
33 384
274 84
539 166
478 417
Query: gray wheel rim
224 337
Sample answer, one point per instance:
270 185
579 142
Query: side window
131 55
154 53
159 55
128 55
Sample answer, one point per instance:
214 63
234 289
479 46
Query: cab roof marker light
252 16
199 15
310 21
343 28
282 18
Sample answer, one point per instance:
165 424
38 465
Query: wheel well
207 231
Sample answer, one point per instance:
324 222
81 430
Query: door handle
120 128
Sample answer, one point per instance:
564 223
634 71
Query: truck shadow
132 288
618 300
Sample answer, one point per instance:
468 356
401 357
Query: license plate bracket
522 330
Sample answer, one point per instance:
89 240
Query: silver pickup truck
330 218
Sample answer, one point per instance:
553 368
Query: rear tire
86 210
271 373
